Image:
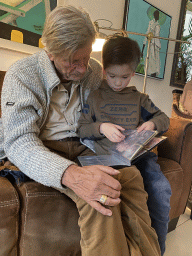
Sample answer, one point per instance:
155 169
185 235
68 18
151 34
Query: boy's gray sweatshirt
128 108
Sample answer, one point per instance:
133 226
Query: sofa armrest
178 145
179 114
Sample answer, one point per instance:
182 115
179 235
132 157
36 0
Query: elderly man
42 99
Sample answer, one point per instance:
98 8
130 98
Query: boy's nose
118 82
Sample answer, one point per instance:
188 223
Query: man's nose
82 67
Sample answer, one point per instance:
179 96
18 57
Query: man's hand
91 182
112 132
146 126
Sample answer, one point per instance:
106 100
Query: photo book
127 152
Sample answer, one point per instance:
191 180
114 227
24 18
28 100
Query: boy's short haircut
119 50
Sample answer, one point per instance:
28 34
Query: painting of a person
155 46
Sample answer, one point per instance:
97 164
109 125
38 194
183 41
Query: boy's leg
159 193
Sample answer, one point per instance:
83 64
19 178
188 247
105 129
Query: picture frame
143 17
22 21
182 60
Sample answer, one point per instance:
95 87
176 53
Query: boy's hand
112 132
146 126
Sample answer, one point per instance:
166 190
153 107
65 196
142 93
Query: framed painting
23 20
182 61
142 17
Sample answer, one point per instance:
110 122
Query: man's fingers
112 193
102 209
98 207
91 182
107 179
112 202
108 170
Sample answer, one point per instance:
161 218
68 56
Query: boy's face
118 76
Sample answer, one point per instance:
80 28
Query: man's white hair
67 29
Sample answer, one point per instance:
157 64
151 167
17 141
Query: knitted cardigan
26 93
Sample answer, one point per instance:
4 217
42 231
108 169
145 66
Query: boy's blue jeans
159 191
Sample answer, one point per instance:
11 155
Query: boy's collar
127 89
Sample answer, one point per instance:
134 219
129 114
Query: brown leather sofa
179 114
36 220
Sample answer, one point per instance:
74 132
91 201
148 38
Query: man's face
75 69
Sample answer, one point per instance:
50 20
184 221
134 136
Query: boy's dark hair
119 50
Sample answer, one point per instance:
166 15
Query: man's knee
130 174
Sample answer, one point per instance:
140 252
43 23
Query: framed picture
182 60
142 17
23 20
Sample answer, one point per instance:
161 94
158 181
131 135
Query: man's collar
48 70
61 86
88 72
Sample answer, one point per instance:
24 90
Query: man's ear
104 73
133 74
50 56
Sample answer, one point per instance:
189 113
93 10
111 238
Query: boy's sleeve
88 125
150 112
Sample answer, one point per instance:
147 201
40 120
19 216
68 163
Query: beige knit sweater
25 101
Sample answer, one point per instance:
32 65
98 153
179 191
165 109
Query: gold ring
103 199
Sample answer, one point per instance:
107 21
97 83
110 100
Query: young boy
114 107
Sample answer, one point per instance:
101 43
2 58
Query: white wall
13 51
159 90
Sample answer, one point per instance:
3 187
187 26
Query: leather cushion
49 224
174 173
9 218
